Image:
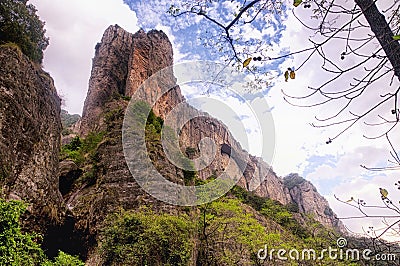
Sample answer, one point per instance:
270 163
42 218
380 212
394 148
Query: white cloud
74 28
367 190
347 165
176 46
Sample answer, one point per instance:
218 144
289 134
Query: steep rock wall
30 130
122 62
307 198
143 55
108 76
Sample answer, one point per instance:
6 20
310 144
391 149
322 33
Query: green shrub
78 149
20 24
112 116
19 248
293 207
126 98
154 120
248 197
4 172
64 259
16 247
91 142
273 209
190 151
189 176
230 234
146 238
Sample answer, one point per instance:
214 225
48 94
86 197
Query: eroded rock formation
100 183
30 130
122 63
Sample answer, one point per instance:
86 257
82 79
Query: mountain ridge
155 46
73 189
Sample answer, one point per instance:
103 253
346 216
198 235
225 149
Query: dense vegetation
224 232
146 238
79 150
83 152
21 248
228 231
19 24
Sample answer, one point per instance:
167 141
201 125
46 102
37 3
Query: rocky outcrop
308 200
30 130
152 52
108 77
257 176
70 126
252 172
122 63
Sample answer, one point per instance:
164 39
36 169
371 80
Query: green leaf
286 75
396 37
247 62
296 3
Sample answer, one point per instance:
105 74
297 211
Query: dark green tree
16 247
20 24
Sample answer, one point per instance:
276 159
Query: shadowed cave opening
65 238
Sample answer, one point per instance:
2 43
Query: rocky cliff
307 198
122 62
73 198
30 130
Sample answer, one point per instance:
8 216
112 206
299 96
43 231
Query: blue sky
74 28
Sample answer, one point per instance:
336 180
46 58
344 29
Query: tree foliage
18 248
64 259
20 24
147 238
230 234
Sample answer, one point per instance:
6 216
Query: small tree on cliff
20 24
19 248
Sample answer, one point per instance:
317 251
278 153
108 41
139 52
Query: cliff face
122 63
108 77
256 175
152 52
73 198
307 198
30 130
